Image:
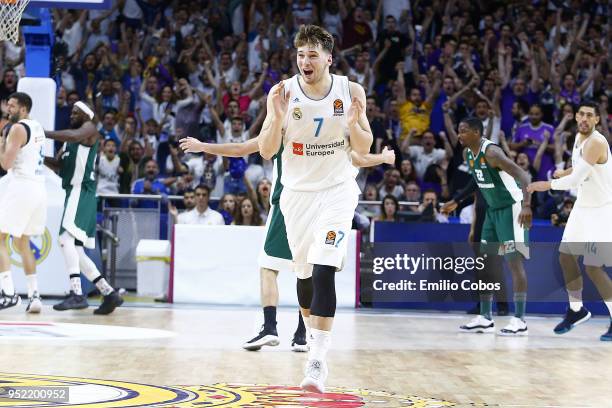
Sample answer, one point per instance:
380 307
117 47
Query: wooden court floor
414 354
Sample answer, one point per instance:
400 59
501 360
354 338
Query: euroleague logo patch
298 149
338 107
40 246
82 392
330 239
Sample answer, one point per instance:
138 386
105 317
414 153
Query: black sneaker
607 336
266 337
572 319
299 343
9 301
109 304
72 301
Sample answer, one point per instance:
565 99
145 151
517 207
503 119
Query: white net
10 15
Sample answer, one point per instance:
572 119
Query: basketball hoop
10 15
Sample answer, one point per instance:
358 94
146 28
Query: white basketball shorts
318 224
23 206
588 232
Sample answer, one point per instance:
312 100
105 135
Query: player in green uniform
76 164
505 231
276 254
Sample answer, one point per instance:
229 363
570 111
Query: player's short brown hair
314 35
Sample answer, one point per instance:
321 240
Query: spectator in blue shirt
150 184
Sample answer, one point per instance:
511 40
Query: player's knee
304 292
65 238
324 291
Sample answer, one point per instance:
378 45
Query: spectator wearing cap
202 214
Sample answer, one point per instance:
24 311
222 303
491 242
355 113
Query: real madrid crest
297 113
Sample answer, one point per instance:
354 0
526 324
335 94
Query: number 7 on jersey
319 123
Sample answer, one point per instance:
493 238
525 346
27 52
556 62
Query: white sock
71 258
91 272
75 283
321 340
575 299
609 304
6 282
32 284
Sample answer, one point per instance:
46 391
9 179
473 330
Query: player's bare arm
87 134
9 146
193 145
55 163
369 160
359 127
270 137
595 151
497 158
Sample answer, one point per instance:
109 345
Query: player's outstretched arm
271 136
9 146
87 134
497 158
594 150
370 160
193 145
359 127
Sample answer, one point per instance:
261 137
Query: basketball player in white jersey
588 232
23 198
318 119
272 257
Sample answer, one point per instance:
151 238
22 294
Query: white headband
85 109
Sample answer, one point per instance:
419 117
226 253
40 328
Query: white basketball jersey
596 189
30 158
317 151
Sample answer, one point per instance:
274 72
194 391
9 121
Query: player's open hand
191 145
354 111
538 186
449 207
525 217
280 100
388 155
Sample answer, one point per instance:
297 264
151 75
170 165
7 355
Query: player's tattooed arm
497 158
87 134
270 137
358 124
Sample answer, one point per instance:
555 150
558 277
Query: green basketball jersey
277 187
79 166
497 187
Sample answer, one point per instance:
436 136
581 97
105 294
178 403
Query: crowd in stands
159 70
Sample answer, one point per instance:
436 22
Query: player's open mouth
308 72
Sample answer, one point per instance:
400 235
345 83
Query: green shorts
275 254
79 218
502 233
